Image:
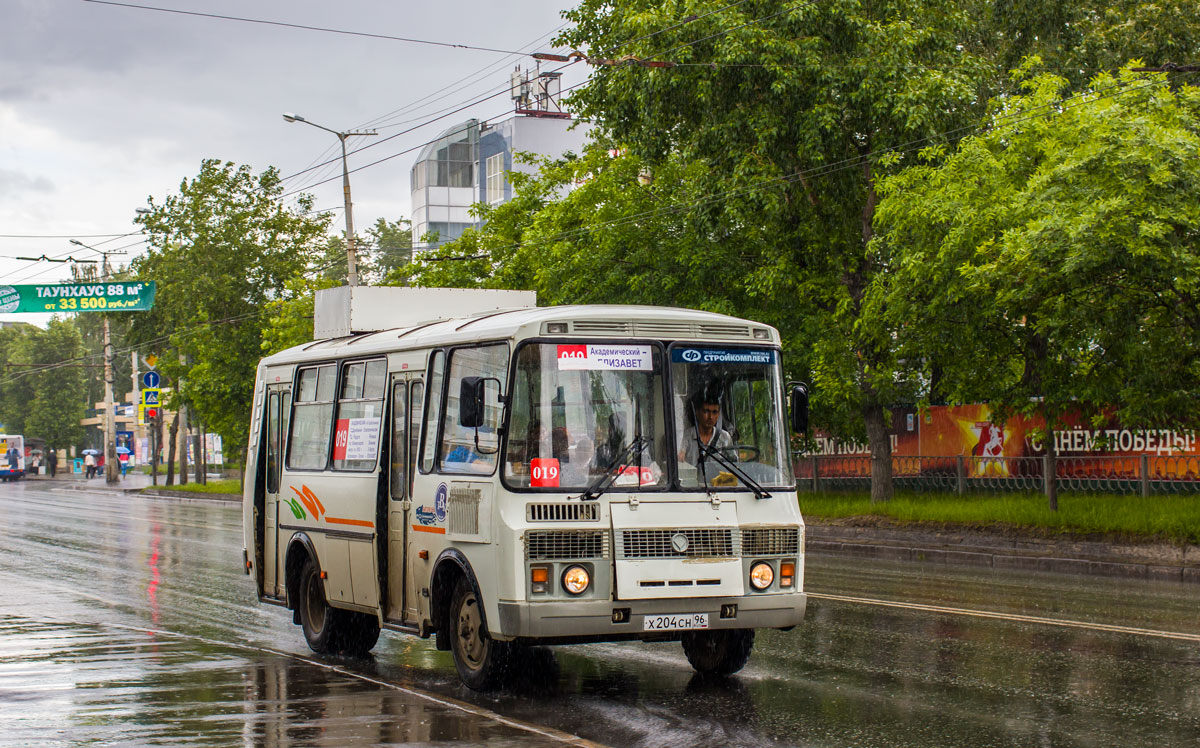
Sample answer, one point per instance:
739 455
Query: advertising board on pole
124 296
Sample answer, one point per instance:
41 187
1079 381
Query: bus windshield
577 407
728 400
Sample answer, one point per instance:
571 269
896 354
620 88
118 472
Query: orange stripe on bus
425 528
340 521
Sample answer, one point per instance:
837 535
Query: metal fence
1133 474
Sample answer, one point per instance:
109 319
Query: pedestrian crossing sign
150 396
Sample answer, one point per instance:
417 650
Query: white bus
525 476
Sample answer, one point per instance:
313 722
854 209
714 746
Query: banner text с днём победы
125 296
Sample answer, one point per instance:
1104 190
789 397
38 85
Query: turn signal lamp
556 328
787 573
576 579
761 334
539 579
761 575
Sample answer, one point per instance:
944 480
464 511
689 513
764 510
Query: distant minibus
443 464
8 470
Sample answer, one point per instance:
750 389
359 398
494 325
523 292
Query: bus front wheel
479 659
718 652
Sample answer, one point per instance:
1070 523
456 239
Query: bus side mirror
470 402
798 404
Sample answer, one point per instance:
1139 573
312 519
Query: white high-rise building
469 162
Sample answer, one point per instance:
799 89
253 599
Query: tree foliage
40 401
1051 263
222 249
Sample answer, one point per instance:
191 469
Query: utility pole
112 474
351 249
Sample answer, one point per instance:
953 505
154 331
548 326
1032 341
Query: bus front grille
556 545
771 541
551 512
716 542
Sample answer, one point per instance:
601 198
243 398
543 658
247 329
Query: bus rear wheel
480 660
718 652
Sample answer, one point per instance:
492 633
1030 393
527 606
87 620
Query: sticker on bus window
605 358
722 356
356 439
628 476
543 472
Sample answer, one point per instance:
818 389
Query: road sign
150 360
151 379
150 396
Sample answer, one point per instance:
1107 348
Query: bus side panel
337 510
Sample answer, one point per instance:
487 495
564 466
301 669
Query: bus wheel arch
450 566
300 550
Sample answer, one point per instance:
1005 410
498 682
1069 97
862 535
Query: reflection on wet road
128 620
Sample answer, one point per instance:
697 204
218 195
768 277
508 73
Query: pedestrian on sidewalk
52 462
89 463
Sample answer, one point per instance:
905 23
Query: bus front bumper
596 620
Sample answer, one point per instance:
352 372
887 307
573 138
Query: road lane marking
1014 617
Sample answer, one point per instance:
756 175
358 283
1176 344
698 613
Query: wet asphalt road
128 621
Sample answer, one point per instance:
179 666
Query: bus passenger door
407 397
278 410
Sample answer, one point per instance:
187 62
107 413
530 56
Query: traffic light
151 414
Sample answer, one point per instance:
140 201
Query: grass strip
213 486
1173 517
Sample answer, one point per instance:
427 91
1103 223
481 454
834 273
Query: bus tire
359 634
718 652
323 624
480 660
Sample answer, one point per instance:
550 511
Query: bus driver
706 412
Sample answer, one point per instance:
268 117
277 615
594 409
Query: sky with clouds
105 105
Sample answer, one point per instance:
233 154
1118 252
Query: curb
980 548
166 493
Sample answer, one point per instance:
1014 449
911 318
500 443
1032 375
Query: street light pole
351 249
111 472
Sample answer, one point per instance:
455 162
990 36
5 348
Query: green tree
789 110
37 398
1051 264
222 249
58 402
392 243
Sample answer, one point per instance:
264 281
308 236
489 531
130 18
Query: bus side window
436 373
312 424
414 429
272 437
359 415
459 453
399 439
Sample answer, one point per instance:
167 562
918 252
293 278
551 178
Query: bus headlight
576 579
761 575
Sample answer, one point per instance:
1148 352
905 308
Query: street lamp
351 254
111 472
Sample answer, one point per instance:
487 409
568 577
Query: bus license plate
675 622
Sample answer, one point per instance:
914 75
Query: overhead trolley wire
303 27
505 89
853 162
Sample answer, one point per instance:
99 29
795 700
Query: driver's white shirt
719 440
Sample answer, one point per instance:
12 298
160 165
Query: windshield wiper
605 481
753 485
